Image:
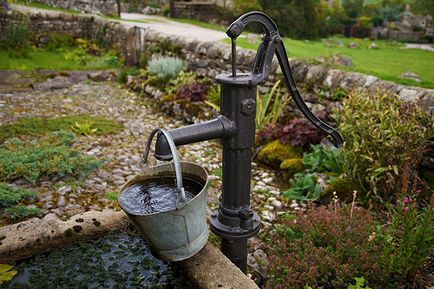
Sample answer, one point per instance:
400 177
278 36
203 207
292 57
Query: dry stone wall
207 58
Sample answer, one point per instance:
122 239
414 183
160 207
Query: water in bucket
156 194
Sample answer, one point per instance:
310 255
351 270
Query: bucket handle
182 199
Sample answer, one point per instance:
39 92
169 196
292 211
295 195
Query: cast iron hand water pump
235 221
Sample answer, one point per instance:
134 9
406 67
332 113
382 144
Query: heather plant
166 68
50 156
325 247
385 139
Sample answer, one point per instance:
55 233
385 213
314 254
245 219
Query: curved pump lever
273 44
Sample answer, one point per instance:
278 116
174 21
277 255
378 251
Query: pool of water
117 260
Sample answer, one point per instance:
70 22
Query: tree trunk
172 8
118 2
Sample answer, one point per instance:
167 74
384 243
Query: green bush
166 68
385 139
10 196
242 6
51 155
20 212
15 38
325 160
304 187
59 40
38 126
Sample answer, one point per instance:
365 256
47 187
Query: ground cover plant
328 246
12 201
50 156
38 126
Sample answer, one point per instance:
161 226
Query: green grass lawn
388 62
52 60
200 24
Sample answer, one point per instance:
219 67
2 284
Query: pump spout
219 127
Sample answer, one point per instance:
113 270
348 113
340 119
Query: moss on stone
344 189
37 126
292 166
274 153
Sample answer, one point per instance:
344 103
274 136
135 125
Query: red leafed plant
192 91
297 132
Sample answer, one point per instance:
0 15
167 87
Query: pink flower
418 191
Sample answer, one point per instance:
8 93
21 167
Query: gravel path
121 152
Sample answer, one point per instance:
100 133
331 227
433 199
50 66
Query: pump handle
272 44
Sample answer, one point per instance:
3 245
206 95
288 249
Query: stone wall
208 58
109 34
105 7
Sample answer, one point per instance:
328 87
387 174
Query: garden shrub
385 139
193 92
325 160
325 248
51 155
297 132
15 38
38 126
166 68
408 242
342 187
274 153
59 40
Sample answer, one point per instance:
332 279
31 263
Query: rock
353 45
409 95
412 76
58 82
373 46
252 38
60 202
343 61
277 204
64 190
36 236
148 10
315 73
99 76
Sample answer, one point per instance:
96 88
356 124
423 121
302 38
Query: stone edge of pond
36 236
206 270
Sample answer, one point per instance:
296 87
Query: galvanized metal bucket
179 233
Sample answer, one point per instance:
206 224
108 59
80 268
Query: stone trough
207 269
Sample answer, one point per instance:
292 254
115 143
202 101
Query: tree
298 18
353 8
424 7
118 2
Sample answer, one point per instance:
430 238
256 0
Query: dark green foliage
117 260
20 212
37 126
424 7
353 8
343 187
50 156
59 40
15 38
298 18
10 196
